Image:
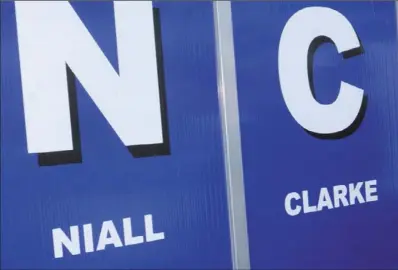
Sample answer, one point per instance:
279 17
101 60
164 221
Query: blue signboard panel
104 202
320 168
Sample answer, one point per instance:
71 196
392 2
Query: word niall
108 236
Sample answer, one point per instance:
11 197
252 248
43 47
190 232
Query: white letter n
51 35
60 240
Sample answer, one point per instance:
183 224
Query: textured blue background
185 192
280 157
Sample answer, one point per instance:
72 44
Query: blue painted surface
280 157
185 192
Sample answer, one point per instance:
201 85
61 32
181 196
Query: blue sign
111 153
318 101
123 146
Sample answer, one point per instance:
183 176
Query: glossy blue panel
185 191
280 157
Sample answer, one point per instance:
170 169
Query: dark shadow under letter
316 43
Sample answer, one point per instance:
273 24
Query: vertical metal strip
228 100
396 15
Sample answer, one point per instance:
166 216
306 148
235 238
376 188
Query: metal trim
229 111
396 16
